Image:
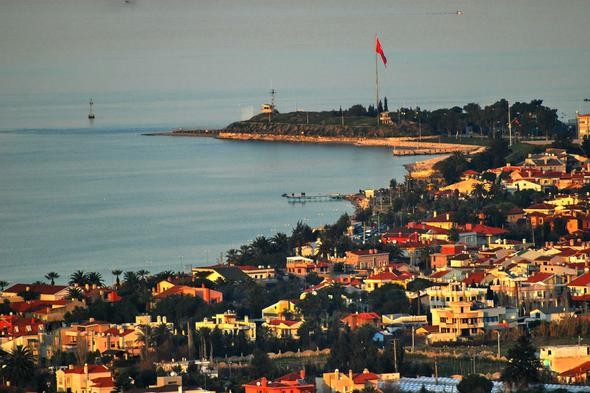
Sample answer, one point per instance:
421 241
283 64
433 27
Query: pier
303 197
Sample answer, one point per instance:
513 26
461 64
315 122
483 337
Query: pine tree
523 366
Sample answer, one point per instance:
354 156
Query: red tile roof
276 322
364 377
384 276
440 274
42 289
475 278
582 369
103 382
581 281
538 277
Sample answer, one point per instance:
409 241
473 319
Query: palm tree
52 276
232 255
78 278
75 293
130 277
94 278
19 366
3 284
280 242
117 273
144 338
143 274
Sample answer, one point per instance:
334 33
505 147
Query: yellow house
466 187
228 323
559 358
85 379
583 125
282 328
220 272
380 279
279 310
349 382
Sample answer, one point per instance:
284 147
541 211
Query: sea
104 199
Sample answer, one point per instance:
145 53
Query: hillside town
483 273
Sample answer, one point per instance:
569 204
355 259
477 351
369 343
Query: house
457 319
583 122
280 310
356 320
339 382
440 221
292 383
550 314
466 187
560 358
301 266
378 280
283 328
367 259
545 162
514 215
259 273
220 272
579 288
230 324
165 289
36 292
442 296
523 185
85 379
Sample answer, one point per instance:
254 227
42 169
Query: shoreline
401 146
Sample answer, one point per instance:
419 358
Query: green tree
19 366
117 273
453 167
94 278
78 278
3 284
389 299
260 365
52 276
523 365
475 383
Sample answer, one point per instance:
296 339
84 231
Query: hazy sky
205 62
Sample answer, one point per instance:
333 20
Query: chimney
448 217
264 381
86 369
71 367
164 319
350 374
179 388
159 319
434 214
337 374
302 373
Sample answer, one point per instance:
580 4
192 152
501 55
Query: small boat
91 112
460 12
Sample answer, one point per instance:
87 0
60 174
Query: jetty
303 197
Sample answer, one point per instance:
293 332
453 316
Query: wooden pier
303 197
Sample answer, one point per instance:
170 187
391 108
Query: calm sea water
103 199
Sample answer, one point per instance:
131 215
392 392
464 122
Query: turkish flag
379 49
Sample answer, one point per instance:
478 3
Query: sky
200 63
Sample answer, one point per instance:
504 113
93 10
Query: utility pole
499 352
413 332
509 125
395 354
376 84
435 370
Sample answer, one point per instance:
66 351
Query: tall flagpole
376 82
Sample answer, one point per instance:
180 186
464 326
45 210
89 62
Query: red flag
379 50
